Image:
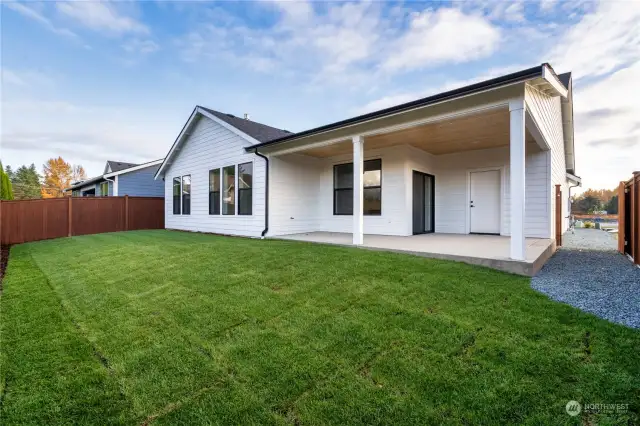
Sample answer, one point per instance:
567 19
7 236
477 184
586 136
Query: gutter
513 78
266 193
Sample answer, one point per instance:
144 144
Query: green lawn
175 328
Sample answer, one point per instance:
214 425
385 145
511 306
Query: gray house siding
140 183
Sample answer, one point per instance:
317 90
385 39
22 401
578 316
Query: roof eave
518 77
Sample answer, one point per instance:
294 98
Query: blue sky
93 81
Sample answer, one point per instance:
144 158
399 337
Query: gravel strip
606 284
589 239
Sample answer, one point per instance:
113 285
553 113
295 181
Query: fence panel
22 221
629 217
146 213
95 215
33 220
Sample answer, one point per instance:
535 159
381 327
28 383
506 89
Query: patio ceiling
489 129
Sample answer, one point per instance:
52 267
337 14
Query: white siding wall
212 146
302 191
294 205
451 178
546 110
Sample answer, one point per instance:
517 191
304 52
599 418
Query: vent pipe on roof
246 116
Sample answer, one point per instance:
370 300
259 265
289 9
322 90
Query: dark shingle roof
258 131
116 166
564 79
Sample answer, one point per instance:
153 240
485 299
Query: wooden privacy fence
629 217
32 220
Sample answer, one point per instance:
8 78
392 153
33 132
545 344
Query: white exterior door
484 202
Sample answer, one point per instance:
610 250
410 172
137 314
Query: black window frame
217 207
350 188
243 191
179 196
186 211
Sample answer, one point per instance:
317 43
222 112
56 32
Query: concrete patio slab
486 250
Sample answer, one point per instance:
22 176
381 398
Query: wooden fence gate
629 217
22 221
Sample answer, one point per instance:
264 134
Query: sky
97 81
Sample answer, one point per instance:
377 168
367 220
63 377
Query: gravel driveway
590 275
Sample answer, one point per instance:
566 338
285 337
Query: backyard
162 327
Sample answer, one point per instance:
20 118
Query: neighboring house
120 178
483 159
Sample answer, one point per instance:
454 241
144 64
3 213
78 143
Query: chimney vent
246 116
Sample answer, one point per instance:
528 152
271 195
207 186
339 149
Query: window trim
351 188
238 187
173 184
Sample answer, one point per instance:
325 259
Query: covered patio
486 250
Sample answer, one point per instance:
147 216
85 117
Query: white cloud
342 42
25 78
604 40
435 37
101 16
37 16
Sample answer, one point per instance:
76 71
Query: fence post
558 216
126 212
622 235
635 213
70 217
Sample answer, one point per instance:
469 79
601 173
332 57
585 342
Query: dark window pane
176 204
214 180
343 201
229 190
372 203
343 176
214 202
186 204
245 175
244 201
176 195
372 165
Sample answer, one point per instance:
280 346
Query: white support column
517 176
358 192
115 186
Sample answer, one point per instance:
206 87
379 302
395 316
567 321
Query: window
229 190
214 191
186 194
104 189
176 195
245 185
372 187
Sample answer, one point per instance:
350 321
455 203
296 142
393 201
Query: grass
160 327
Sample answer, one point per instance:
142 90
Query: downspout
266 193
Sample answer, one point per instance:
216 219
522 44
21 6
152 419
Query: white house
482 159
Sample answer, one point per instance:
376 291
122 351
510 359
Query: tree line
594 200
26 183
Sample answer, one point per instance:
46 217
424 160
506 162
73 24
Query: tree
26 183
586 204
78 174
612 206
57 176
6 191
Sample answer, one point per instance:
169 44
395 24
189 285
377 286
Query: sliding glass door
423 203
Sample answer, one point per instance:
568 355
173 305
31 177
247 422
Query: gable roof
116 166
258 131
